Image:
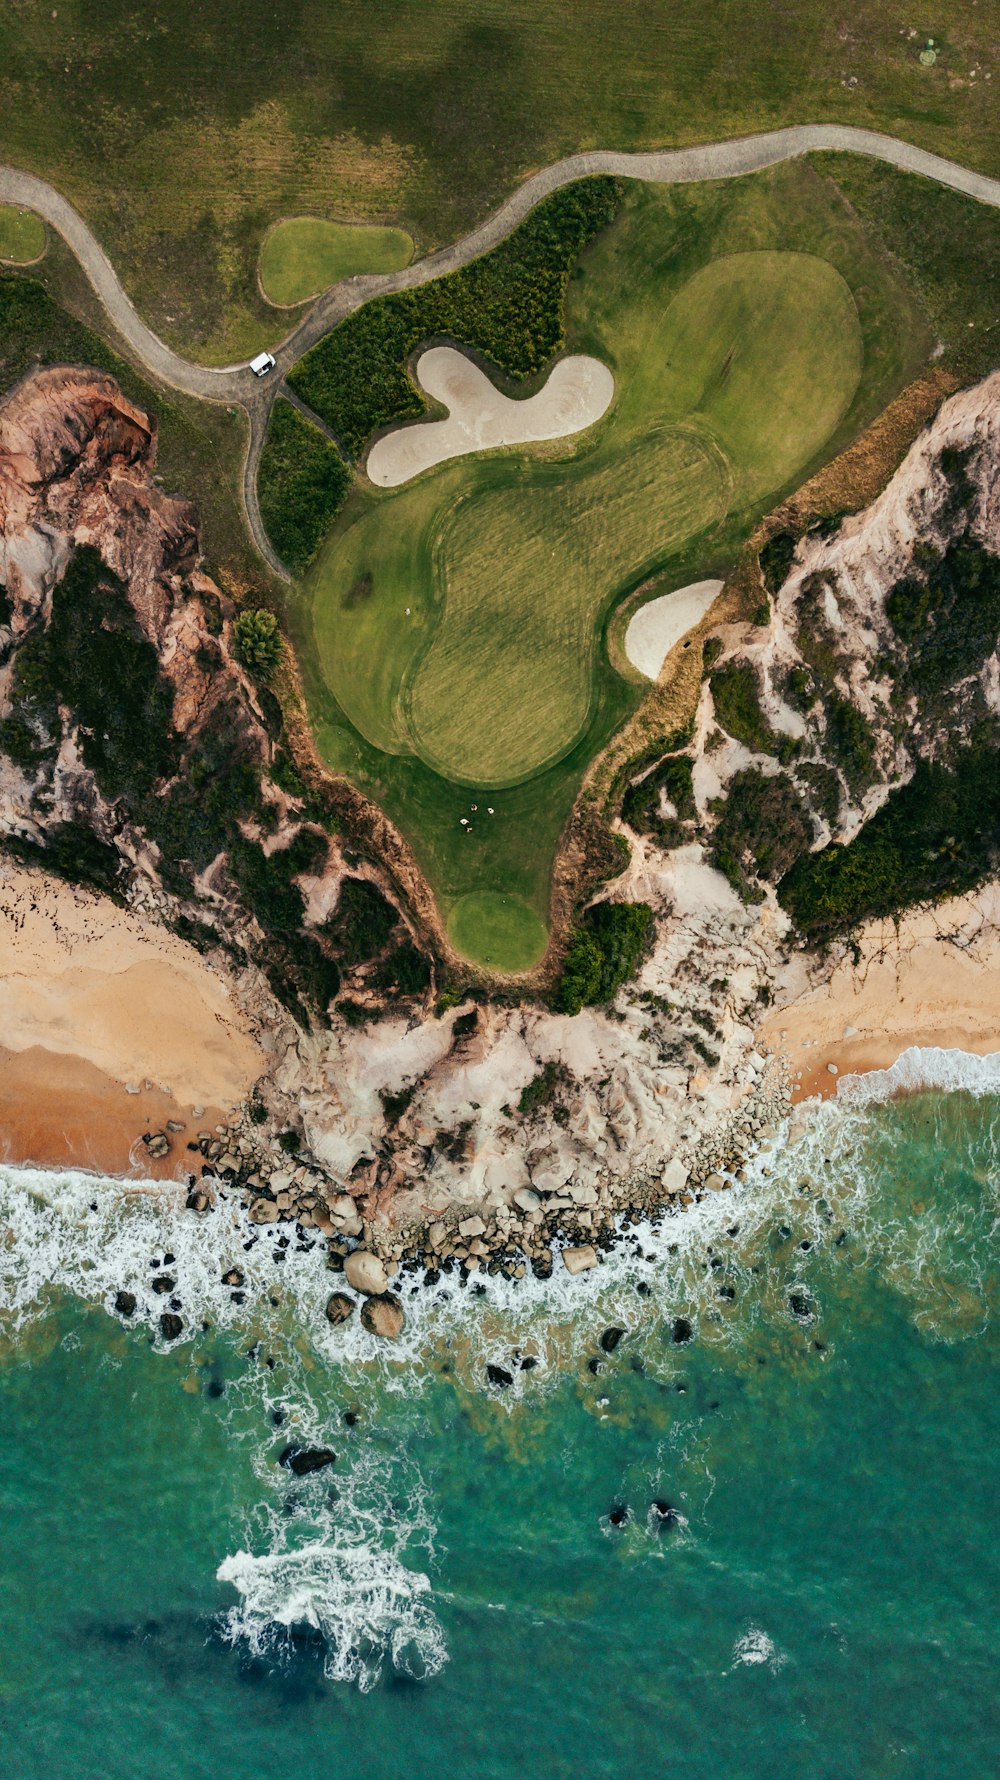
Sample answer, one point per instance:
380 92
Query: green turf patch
413 706
500 932
301 485
509 304
304 254
22 236
507 563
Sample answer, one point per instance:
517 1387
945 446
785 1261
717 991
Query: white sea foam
755 1648
929 1066
366 1605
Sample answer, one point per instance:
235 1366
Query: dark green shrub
823 787
361 923
507 305
70 851
641 803
776 559
736 696
539 1091
404 972
762 830
605 950
301 485
257 641
849 738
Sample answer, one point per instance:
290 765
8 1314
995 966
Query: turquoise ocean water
451 1597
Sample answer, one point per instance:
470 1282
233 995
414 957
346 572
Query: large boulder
171 1326
125 1303
344 1215
383 1315
577 1260
365 1272
339 1307
300 1460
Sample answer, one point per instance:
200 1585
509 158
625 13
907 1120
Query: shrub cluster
507 305
257 641
937 835
736 697
762 830
301 485
362 922
605 951
671 780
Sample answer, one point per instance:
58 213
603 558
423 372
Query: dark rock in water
170 1325
233 1278
164 1283
339 1307
727 1292
168 1260
216 1387
839 1241
432 1276
300 1460
595 1365
529 1363
238 1297
801 1305
665 1515
351 1418
681 1390
784 1232
806 1245
820 1347
499 1375
610 1339
382 1314
643 1288
541 1265
682 1329
279 1417
618 1515
125 1303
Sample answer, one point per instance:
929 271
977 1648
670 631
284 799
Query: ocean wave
756 1648
924 1067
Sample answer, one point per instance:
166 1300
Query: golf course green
302 255
451 630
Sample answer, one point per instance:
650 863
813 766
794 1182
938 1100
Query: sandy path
95 1001
680 166
481 418
936 983
655 629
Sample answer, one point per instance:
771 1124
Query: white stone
365 1272
471 1227
577 1260
675 1176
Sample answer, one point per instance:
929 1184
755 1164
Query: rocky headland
411 1117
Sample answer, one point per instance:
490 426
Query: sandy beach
931 980
110 1027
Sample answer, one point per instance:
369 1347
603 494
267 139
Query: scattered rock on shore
170 1325
125 1303
366 1273
577 1260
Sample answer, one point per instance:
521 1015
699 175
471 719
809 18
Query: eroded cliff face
541 1122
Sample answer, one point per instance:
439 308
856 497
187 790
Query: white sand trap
480 417
655 628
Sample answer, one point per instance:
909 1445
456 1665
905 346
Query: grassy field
752 329
22 236
304 254
423 113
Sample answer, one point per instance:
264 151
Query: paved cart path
235 384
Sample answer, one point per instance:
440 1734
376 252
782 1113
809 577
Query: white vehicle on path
263 363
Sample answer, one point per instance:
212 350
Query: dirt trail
236 383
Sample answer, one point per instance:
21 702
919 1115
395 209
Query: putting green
22 236
500 932
304 254
457 617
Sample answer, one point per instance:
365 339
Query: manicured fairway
507 563
22 236
304 254
497 930
451 631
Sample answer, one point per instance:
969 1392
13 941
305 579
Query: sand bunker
480 417
655 628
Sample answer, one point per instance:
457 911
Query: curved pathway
680 166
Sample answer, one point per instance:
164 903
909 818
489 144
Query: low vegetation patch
936 836
507 305
362 923
605 950
762 830
22 235
304 254
736 697
671 783
301 485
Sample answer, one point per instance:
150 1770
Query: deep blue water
824 1605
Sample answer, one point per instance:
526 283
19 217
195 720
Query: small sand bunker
480 417
655 628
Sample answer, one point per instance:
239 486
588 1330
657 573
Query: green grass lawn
304 254
752 330
424 113
22 236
